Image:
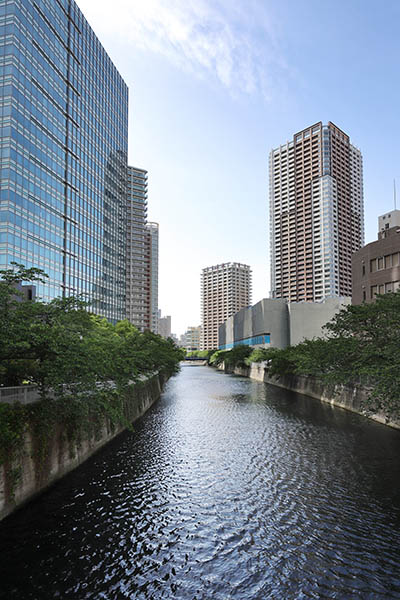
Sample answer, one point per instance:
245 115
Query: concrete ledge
22 478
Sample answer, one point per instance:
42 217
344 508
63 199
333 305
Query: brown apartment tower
316 214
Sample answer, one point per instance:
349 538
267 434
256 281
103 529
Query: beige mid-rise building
316 214
191 339
225 289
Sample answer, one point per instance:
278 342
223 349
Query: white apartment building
152 237
141 256
137 293
225 289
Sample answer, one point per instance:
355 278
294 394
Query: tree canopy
64 349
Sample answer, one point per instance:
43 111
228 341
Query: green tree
236 357
13 326
65 350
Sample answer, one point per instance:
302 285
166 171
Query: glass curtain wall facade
64 131
137 290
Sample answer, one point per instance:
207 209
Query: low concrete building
376 266
264 324
277 323
306 319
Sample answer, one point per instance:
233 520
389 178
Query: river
227 489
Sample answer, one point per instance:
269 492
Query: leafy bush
259 355
206 354
217 357
236 357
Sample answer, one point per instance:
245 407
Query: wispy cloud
233 42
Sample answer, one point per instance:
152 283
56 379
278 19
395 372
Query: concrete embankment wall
25 475
348 397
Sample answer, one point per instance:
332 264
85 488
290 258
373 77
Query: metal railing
27 394
23 394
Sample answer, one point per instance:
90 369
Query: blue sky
214 85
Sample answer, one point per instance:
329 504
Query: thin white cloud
233 41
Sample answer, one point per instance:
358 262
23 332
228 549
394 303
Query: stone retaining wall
23 478
348 397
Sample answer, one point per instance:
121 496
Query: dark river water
227 488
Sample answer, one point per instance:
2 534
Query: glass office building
64 132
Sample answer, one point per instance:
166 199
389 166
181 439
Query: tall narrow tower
137 291
316 214
225 289
152 238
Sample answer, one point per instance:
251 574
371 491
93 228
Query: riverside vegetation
361 347
83 365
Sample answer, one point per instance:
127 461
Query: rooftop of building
313 129
227 265
138 170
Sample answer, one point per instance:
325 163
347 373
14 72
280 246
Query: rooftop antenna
394 193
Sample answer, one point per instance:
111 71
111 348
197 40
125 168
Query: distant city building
164 326
225 289
152 230
191 339
137 269
277 323
316 214
64 124
376 266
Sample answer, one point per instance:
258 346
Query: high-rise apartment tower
64 125
225 289
137 264
316 214
152 238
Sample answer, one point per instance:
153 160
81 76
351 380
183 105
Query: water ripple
227 489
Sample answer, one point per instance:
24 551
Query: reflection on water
228 488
